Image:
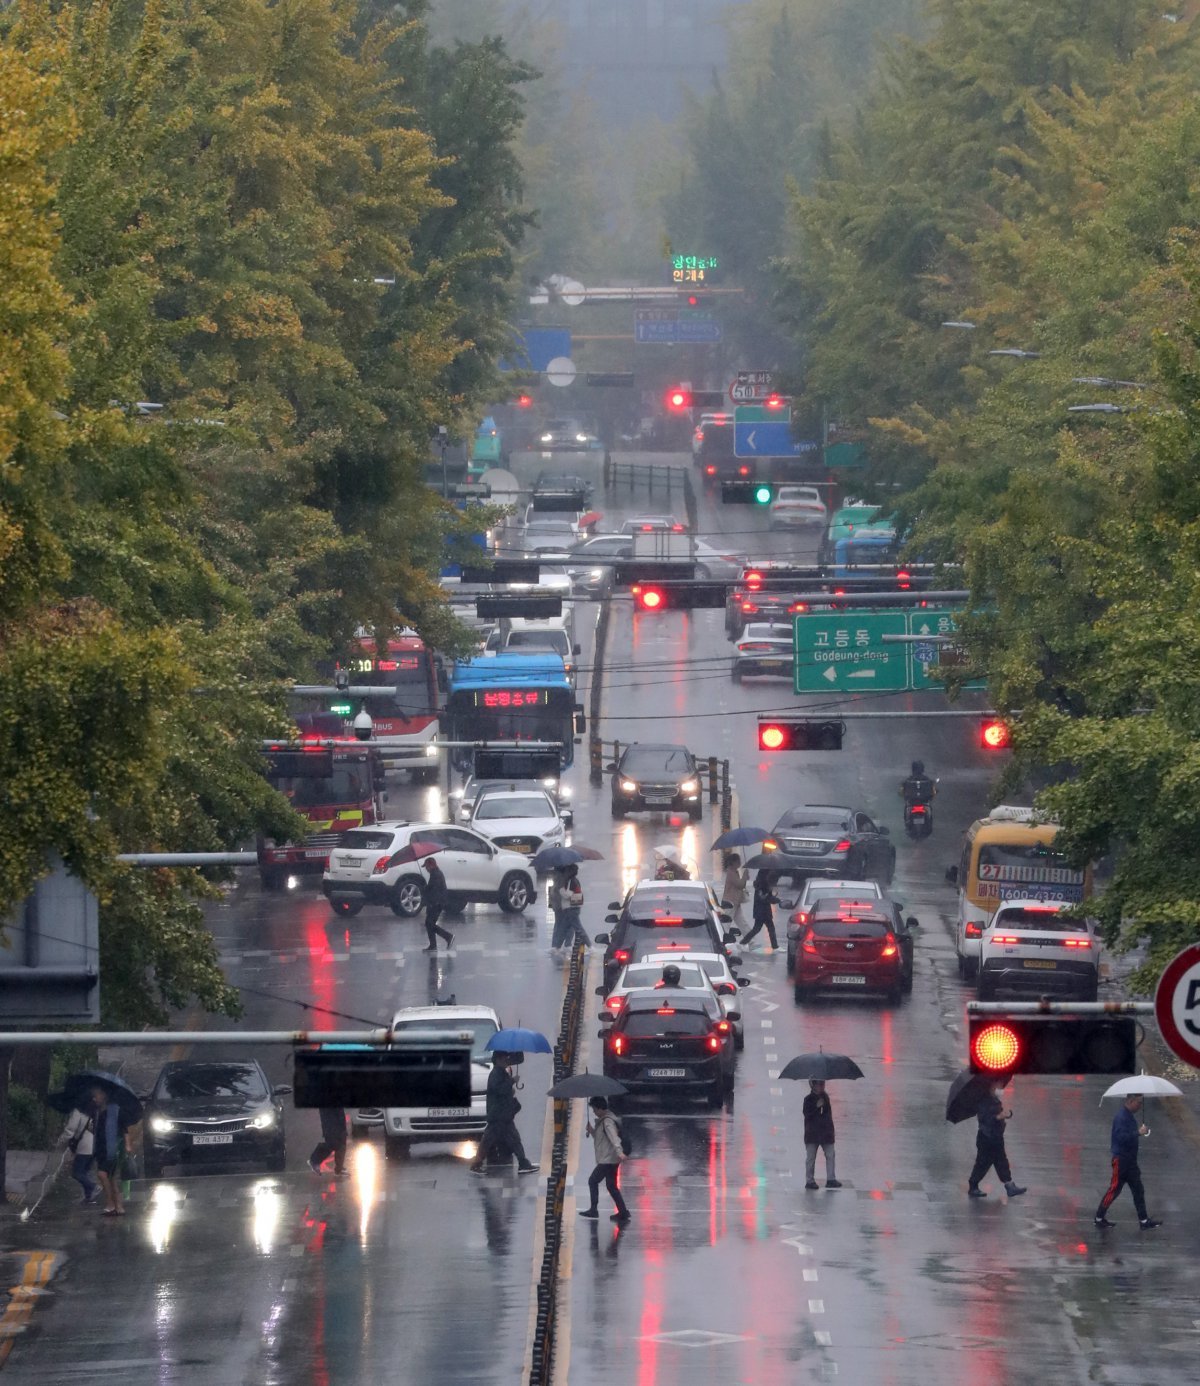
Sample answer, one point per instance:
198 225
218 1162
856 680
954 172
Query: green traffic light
762 494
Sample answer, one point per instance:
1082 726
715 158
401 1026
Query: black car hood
198 1108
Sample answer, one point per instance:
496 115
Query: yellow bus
1009 855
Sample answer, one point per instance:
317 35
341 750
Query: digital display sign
693 269
513 697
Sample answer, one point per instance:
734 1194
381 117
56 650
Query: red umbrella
415 851
593 517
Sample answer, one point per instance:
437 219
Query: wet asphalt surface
730 1271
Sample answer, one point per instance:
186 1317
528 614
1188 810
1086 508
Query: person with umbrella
734 888
1126 1133
764 914
818 1132
605 1131
78 1137
501 1140
989 1144
435 902
111 1125
572 904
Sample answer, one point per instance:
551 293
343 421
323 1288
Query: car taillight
621 955
797 607
714 1043
614 1004
808 945
749 606
723 1027
1005 938
666 1010
800 917
1077 942
380 866
710 470
889 947
619 1044
843 846
973 930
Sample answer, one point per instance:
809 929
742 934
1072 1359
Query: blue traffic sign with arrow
768 440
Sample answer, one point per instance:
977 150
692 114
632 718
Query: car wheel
395 1147
455 904
716 1095
346 906
696 813
408 895
891 868
907 984
893 996
985 988
737 673
970 969
739 1039
277 1160
516 891
962 968
791 960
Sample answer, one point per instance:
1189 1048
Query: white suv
1028 946
404 1125
363 870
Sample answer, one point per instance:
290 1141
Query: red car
848 950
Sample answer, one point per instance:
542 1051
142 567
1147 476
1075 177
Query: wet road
730 1271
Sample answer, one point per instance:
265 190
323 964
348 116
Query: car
661 917
797 506
560 491
713 453
830 840
566 435
405 1126
656 778
724 417
763 648
542 639
719 565
364 870
549 536
1034 948
864 897
850 949
651 524
820 888
522 820
223 1110
718 968
697 972
681 1048
590 563
475 785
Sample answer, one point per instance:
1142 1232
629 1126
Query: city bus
409 668
512 697
1009 855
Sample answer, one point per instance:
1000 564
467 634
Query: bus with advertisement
512 697
409 718
1009 855
335 784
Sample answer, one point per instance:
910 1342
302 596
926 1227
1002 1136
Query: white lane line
810 1274
825 1339
816 1306
766 1024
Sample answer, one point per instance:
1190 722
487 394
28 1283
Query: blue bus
512 697
872 548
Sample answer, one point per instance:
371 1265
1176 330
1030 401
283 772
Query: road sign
749 386
561 371
843 652
668 326
761 413
1177 1005
768 440
927 658
697 327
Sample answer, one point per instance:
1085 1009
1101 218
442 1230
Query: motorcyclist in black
918 788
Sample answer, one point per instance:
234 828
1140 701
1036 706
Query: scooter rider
918 788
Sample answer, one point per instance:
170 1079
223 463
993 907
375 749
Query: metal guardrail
565 1048
654 476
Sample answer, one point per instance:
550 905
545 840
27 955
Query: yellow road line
39 1267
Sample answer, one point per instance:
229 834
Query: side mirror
605 1017
727 904
913 922
601 938
614 904
952 875
743 981
725 918
600 991
282 1090
611 919
733 1015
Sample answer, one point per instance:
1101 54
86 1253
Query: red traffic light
524 401
693 300
649 598
772 737
775 402
995 734
796 734
678 399
995 1048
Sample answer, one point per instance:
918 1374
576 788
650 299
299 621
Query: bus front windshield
1010 871
410 675
345 786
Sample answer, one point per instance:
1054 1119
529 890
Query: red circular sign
1177 1005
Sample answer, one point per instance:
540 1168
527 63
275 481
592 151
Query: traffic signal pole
1047 1007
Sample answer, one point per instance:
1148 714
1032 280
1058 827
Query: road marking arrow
802 1248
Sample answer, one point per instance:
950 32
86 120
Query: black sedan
223 1111
829 840
656 779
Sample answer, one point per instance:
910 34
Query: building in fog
635 57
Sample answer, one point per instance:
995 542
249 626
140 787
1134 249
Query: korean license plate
771 663
525 847
666 1072
803 844
1040 962
314 853
348 861
849 981
213 1138
658 799
449 1112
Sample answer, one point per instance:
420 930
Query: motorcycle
918 819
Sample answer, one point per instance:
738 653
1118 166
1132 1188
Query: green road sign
759 413
843 652
925 658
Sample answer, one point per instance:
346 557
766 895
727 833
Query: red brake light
714 1043
666 1010
614 1003
743 470
916 810
724 1026
889 946
807 944
749 606
1077 942
668 919
973 930
710 470
619 1044
677 529
1005 938
797 606
770 845
621 955
843 846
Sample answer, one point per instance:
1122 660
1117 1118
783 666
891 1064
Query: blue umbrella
740 837
551 858
516 1040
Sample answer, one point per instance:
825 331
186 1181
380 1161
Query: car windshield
638 761
640 1024
1052 921
213 1080
650 974
514 806
550 527
347 785
480 1028
828 818
1034 861
539 640
366 840
834 926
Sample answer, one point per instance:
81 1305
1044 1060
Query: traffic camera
363 725
800 734
1000 1044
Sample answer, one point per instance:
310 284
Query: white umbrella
1142 1085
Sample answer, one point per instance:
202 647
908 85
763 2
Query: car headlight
581 437
629 786
689 786
547 437
161 1126
564 791
431 749
262 1121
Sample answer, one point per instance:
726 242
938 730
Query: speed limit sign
1177 1005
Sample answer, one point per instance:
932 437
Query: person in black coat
989 1146
764 914
501 1140
818 1133
332 1142
435 902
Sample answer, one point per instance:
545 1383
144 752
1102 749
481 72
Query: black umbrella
77 1089
822 1066
587 1084
966 1093
740 837
762 861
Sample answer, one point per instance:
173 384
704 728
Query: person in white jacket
77 1137
605 1130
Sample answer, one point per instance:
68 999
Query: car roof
821 886
651 998
446 1013
821 810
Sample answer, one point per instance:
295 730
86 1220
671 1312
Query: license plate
657 799
849 981
1040 962
771 663
803 844
449 1112
213 1138
666 1072
524 847
348 861
313 853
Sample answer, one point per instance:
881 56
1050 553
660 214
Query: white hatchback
521 820
1030 948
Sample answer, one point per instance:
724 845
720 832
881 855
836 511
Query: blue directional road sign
768 440
698 329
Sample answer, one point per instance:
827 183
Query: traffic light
776 402
694 300
533 606
800 735
524 401
1003 1044
747 493
679 596
678 399
681 398
995 734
